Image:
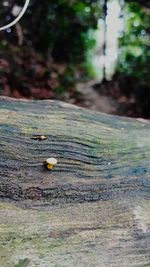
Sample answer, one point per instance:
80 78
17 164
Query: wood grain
93 208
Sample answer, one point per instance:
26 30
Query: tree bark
93 208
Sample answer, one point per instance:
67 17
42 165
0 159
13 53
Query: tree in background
58 28
54 31
40 55
134 56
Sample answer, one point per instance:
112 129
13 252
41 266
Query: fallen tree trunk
93 208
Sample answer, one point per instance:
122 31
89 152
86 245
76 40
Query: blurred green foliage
134 58
59 28
53 31
60 32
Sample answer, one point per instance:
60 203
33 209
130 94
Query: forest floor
32 78
102 99
94 100
108 98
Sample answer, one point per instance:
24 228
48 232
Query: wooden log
93 208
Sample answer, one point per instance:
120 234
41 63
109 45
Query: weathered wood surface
93 208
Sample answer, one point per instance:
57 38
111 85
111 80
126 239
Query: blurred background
92 53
